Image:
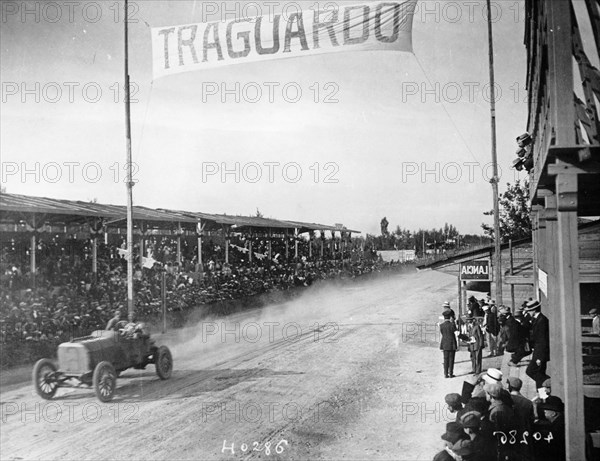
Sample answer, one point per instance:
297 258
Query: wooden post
550 307
163 293
227 248
179 231
32 261
535 237
287 246
464 298
296 243
95 256
512 286
270 245
569 305
459 296
141 256
566 297
310 243
322 243
200 263
333 245
250 250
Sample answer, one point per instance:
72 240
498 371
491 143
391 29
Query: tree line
515 224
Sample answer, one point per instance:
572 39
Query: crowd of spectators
69 300
492 420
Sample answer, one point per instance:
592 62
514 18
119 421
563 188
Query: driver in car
113 323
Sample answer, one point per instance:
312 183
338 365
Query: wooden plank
535 237
589 267
585 278
569 305
551 310
591 391
518 280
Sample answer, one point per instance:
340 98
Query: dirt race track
346 372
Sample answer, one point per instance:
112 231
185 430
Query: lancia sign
476 270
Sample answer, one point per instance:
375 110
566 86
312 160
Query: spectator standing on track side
492 327
522 406
540 343
476 447
551 445
510 333
475 307
448 343
446 308
455 405
523 349
475 343
542 394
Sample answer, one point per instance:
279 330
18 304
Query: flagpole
495 179
130 309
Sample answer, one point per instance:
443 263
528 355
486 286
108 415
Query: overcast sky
372 140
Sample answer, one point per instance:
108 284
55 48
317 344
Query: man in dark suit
448 343
510 336
523 349
540 343
546 447
522 406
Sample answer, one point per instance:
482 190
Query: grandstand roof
16 207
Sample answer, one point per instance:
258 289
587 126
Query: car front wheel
105 381
44 378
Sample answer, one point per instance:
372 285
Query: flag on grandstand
148 262
371 26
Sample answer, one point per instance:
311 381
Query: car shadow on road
144 385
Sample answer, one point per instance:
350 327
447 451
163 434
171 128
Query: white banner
371 26
397 255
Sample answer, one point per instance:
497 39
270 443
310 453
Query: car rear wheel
44 378
105 381
164 362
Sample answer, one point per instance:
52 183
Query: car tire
104 381
163 362
44 378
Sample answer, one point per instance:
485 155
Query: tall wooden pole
179 233
163 298
495 179
200 263
296 243
95 256
129 175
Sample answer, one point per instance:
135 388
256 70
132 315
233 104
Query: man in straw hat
446 308
448 343
540 343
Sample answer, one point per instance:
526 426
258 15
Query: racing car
98 359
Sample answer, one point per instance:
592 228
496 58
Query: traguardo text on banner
364 27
